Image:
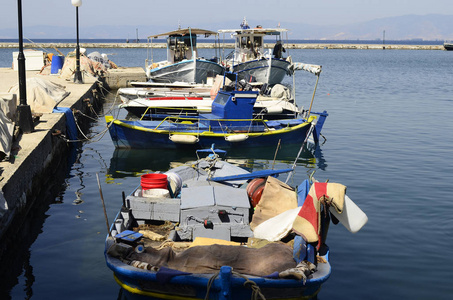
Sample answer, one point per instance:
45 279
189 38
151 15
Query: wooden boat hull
143 135
185 71
261 70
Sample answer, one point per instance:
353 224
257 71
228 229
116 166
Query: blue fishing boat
209 229
230 124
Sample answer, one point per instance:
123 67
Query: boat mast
193 56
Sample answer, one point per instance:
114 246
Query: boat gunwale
266 59
186 61
267 132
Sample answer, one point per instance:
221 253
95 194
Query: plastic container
174 182
156 193
352 217
57 64
153 181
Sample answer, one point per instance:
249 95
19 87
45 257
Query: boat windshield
222 98
180 47
248 47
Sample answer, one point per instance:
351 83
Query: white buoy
183 139
274 109
236 138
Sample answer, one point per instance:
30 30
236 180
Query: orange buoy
255 190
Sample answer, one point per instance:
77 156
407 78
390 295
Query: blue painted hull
140 135
194 286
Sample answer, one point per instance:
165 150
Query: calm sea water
388 139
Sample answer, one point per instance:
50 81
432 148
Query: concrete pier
122 77
35 156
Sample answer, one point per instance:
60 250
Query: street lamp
77 74
24 118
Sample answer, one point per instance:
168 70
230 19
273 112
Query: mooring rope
256 291
92 139
210 281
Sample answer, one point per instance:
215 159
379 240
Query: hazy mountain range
409 27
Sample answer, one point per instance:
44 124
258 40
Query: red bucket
153 181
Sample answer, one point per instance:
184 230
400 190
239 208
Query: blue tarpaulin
71 129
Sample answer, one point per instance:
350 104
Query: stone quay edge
231 46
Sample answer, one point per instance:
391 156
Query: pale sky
199 12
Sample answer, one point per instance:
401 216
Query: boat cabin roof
185 31
255 31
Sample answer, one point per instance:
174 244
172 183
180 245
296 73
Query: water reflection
132 162
30 278
27 226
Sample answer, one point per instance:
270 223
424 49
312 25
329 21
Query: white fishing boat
276 102
183 63
250 57
448 45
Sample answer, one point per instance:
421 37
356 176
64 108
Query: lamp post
24 118
77 73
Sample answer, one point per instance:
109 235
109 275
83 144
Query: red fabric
309 212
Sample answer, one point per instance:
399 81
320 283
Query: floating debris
78 200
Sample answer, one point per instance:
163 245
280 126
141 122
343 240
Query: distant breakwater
228 45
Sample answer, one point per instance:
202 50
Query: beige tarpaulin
42 95
277 197
274 257
8 105
86 66
7 115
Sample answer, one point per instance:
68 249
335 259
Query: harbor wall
30 168
231 46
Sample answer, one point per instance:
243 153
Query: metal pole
103 205
77 74
313 97
24 118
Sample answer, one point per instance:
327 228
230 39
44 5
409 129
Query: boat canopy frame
281 34
181 32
